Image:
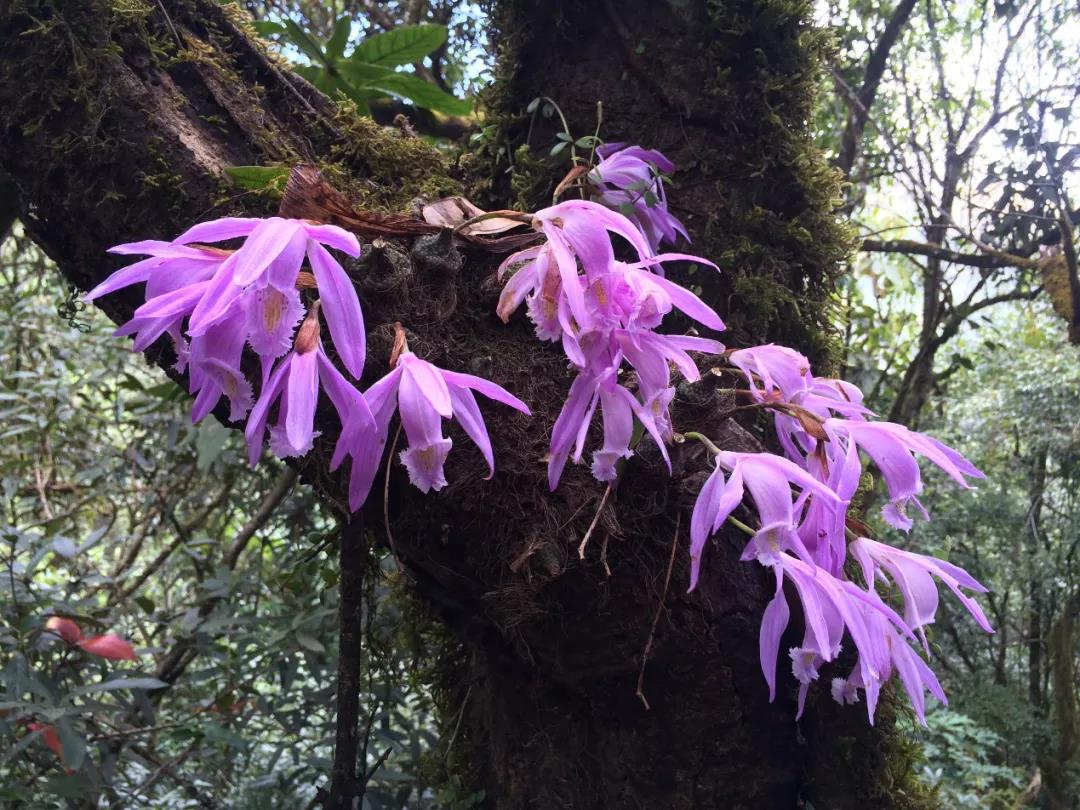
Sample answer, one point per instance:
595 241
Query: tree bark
1036 611
116 123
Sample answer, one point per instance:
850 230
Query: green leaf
268 28
64 546
302 40
335 46
259 177
71 744
209 442
309 642
362 73
421 93
334 85
401 46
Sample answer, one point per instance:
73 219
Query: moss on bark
726 90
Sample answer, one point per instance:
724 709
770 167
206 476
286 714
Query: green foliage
259 178
960 764
400 46
119 513
1013 413
369 71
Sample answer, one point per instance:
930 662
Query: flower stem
742 527
712 448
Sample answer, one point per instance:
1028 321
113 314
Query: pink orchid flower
424 395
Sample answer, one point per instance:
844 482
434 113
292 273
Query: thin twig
656 616
378 764
266 509
386 500
457 723
134 732
172 28
595 520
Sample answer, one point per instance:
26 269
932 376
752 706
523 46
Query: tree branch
386 110
266 509
989 260
851 139
174 663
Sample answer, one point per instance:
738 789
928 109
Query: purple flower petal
487 388
284 269
429 382
219 296
341 307
716 501
689 303
135 273
256 424
348 402
271 317
467 413
302 395
419 417
335 237
425 464
175 304
567 424
618 431
266 242
773 623
218 230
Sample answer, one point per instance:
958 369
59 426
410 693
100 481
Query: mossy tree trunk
117 119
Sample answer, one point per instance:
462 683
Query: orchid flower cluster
630 180
214 302
605 314
801 500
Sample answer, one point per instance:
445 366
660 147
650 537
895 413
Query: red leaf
67 629
50 737
109 646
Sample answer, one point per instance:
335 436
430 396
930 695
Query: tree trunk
1036 611
116 123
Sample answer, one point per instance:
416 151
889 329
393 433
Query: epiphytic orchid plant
605 312
214 302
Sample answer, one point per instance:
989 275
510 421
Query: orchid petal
773 624
342 308
266 242
302 395
335 237
218 230
485 387
468 415
256 424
